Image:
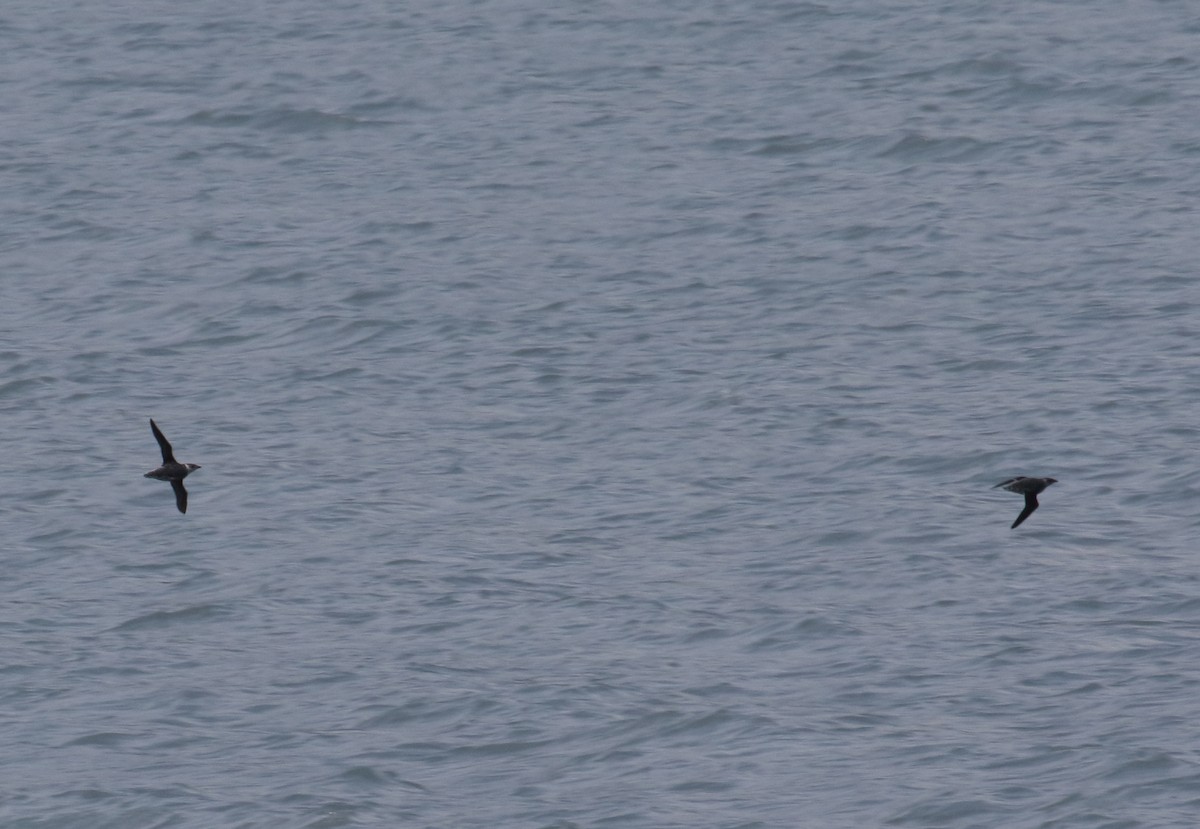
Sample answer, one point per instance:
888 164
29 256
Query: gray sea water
599 405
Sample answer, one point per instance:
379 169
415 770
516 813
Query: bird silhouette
1029 487
171 469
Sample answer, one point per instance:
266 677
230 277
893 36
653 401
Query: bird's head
192 467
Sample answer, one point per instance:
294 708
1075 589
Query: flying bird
1029 487
171 469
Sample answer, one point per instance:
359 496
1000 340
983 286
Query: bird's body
171 469
1029 487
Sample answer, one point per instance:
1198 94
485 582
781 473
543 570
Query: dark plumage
1029 487
171 469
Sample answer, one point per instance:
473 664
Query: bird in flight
171 469
1029 487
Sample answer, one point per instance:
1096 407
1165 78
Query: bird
171 469
1029 487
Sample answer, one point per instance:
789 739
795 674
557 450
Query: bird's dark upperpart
1022 484
1029 487
171 469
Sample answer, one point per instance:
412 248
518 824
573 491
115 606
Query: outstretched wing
181 495
1031 503
163 443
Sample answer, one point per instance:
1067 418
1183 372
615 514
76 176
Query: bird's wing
1031 503
181 495
163 443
